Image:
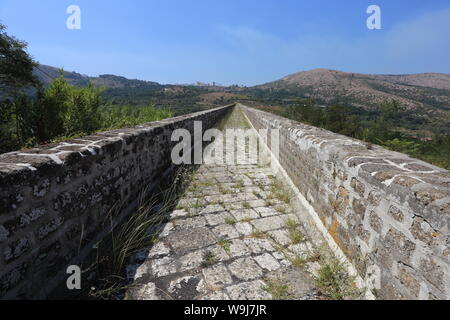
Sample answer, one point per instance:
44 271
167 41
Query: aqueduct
383 214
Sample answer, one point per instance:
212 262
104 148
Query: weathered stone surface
388 213
217 276
358 186
64 191
421 230
269 223
267 262
245 269
359 207
375 222
396 213
217 259
369 187
188 239
253 290
433 272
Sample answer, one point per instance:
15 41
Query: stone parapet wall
387 212
54 199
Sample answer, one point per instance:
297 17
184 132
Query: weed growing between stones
256 234
298 262
225 244
333 280
209 258
278 289
131 237
238 185
246 219
295 235
278 191
230 221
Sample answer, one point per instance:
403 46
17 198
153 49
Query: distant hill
122 91
47 74
427 92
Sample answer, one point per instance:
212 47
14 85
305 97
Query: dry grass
126 238
277 289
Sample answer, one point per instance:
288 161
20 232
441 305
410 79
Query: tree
16 65
337 118
16 75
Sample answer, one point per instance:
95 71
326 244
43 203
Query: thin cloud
413 46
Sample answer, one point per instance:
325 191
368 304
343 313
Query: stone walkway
232 236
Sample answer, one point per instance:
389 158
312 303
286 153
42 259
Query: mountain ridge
426 93
429 92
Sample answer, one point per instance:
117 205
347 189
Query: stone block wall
54 198
387 212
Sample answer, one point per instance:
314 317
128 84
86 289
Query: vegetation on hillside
381 127
62 111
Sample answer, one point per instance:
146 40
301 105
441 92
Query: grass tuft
276 288
225 244
230 220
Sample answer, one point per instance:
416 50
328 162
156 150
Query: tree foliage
379 128
63 110
16 65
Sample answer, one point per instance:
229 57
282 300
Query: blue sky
244 42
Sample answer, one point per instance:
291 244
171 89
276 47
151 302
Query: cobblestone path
232 236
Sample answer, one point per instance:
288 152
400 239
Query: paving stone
191 260
245 197
187 239
215 219
226 231
141 270
184 288
267 261
267 211
163 267
257 203
244 228
238 248
159 249
218 252
281 237
190 222
269 223
245 269
282 259
211 209
178 214
243 214
186 203
258 246
253 290
217 275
